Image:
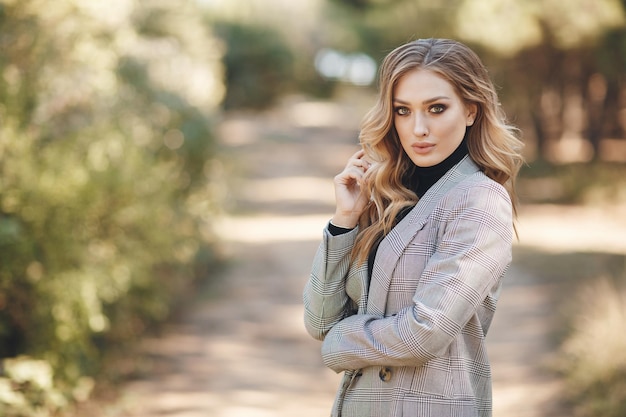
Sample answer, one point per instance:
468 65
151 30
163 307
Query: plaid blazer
411 340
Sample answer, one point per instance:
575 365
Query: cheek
404 133
453 129
404 128
398 123
399 129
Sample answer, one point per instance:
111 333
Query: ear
472 110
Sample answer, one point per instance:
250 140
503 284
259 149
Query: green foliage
488 23
105 186
592 357
27 389
259 65
577 183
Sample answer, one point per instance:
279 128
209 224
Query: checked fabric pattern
411 342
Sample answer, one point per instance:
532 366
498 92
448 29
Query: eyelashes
434 109
401 110
437 108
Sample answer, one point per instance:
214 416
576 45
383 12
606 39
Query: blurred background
165 174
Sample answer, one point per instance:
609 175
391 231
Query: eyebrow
430 100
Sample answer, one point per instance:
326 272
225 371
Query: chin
426 162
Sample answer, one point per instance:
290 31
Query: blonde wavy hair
493 144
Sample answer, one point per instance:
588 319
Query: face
429 116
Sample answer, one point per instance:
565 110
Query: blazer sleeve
471 256
325 299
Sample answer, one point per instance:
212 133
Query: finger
355 157
350 175
358 154
361 163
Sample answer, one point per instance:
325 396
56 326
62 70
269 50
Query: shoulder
481 184
467 178
479 194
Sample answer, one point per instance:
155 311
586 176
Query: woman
405 282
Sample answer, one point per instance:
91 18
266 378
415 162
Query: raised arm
325 299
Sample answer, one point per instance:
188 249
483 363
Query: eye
401 110
437 108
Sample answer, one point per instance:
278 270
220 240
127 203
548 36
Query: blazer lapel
394 244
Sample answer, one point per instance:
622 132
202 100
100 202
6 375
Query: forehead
422 84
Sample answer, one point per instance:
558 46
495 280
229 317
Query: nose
420 126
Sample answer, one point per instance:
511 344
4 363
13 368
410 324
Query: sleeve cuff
337 230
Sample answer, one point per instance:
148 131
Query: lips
423 147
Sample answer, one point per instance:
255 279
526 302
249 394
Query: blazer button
385 374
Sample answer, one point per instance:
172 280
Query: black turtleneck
422 178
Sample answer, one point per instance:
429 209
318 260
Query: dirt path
243 351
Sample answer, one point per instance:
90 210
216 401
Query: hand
349 192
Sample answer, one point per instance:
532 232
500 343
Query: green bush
106 153
259 65
27 389
592 356
576 183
